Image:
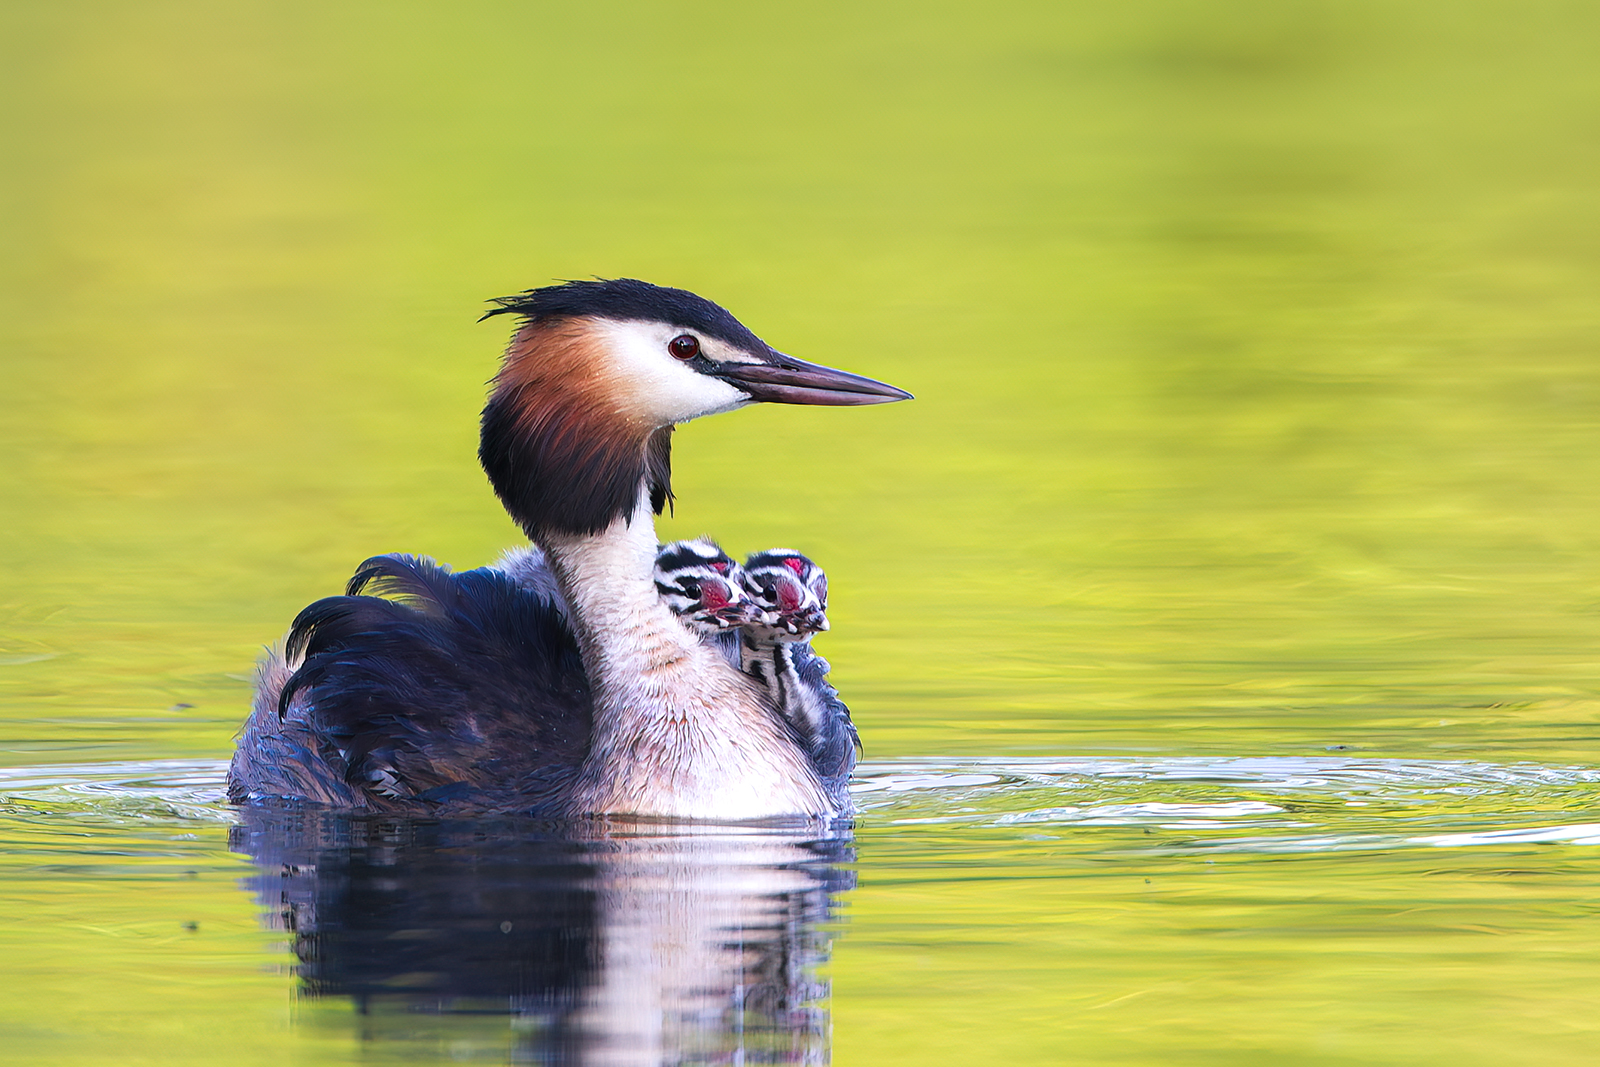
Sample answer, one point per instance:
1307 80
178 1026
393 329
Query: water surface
1221 619
1256 904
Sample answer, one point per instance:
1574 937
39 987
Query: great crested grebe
484 690
791 594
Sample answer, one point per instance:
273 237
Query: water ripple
1318 804
125 789
1243 804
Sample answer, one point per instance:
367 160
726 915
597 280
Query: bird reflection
568 943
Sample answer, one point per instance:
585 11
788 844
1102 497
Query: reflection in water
610 944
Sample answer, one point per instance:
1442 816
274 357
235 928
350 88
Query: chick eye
684 346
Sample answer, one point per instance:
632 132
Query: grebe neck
678 731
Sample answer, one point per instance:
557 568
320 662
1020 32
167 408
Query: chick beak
807 622
744 613
783 379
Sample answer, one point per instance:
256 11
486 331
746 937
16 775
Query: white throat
678 731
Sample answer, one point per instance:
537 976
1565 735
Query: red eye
684 346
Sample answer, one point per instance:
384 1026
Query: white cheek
652 385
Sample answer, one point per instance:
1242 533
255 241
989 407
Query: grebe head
598 374
791 592
701 584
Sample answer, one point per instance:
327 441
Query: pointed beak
744 612
786 380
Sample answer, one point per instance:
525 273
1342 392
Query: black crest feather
629 300
556 471
552 480
658 468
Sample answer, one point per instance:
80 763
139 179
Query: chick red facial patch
790 596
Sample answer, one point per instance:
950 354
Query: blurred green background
1253 344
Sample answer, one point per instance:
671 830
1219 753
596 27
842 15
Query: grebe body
559 683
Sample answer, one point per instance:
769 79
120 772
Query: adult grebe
478 691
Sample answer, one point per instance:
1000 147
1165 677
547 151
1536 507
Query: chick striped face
791 592
702 585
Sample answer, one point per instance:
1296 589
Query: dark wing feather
415 581
466 692
328 624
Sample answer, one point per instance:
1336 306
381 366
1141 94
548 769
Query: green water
1257 419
